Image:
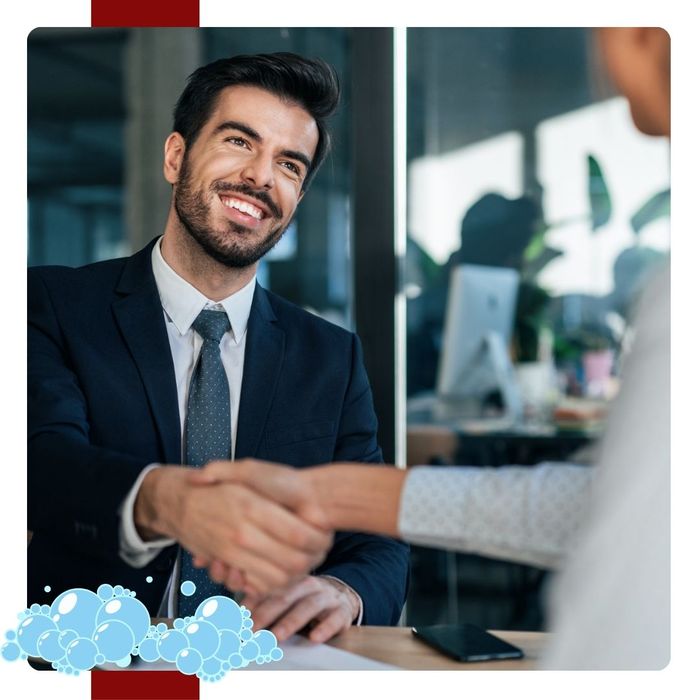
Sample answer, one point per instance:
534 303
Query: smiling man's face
238 185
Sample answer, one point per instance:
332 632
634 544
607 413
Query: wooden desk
399 647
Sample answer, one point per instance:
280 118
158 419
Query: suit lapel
264 354
139 315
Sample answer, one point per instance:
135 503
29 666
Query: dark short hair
310 83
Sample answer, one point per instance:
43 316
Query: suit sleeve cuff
132 549
358 620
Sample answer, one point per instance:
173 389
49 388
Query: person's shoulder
302 320
96 275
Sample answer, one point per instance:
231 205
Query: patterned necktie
207 434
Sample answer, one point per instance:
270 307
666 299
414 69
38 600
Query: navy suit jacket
103 404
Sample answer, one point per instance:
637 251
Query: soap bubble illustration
203 637
30 629
127 610
187 588
82 629
222 612
81 653
171 644
49 646
189 661
10 651
114 640
76 610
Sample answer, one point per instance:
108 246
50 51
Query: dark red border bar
144 685
145 13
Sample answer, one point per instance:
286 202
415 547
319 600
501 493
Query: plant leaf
598 195
654 208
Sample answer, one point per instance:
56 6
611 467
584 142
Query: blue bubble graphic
47 589
10 651
133 613
266 641
222 612
105 591
203 637
114 639
82 629
229 643
65 638
123 663
250 651
148 650
171 644
76 610
187 588
236 660
149 579
81 653
29 631
49 647
211 667
189 661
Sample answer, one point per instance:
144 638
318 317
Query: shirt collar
182 302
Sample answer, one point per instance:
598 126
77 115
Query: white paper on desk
302 655
299 655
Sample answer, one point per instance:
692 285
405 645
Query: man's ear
174 154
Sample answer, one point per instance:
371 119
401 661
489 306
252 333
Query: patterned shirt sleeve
524 514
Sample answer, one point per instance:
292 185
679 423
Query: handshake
259 528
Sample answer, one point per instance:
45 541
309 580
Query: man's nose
258 172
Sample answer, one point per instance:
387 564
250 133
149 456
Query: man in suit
127 381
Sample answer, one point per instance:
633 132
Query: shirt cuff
132 549
358 620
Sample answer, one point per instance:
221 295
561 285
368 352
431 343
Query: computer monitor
478 325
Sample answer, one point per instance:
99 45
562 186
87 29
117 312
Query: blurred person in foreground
608 528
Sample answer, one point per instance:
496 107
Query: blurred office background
521 155
518 154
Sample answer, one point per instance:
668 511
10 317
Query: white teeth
245 207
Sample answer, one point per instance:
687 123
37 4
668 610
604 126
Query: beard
232 245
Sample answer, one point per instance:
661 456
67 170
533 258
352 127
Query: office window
520 155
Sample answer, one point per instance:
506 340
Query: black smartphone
467 643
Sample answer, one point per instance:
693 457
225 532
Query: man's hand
292 488
325 605
232 525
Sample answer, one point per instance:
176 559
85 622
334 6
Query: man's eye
293 167
237 141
